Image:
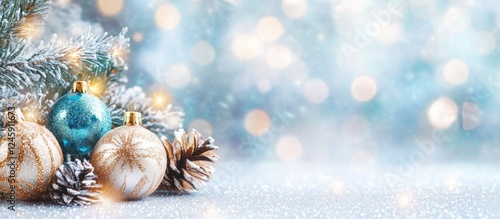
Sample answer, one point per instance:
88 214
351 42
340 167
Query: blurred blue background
357 82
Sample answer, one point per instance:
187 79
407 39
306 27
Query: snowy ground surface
274 190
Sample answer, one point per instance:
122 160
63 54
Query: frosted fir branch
119 98
32 81
32 78
57 64
14 12
108 56
35 107
164 121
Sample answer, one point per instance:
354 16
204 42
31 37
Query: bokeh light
269 29
346 88
178 76
246 46
391 34
160 98
279 57
110 8
456 72
294 9
63 3
457 19
289 148
363 88
97 86
452 182
31 115
203 53
138 37
75 56
442 113
316 91
247 72
353 6
30 28
118 51
337 186
109 200
212 211
257 122
167 17
404 200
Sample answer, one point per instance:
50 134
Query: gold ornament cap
132 118
79 87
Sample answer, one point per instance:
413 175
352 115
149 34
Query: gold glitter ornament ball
30 163
129 160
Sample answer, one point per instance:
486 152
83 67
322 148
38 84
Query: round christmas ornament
129 160
29 157
79 120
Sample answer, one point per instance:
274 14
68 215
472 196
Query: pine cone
187 168
75 184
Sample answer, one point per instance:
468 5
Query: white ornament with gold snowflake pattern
29 157
129 160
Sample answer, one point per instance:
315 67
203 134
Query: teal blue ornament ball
78 120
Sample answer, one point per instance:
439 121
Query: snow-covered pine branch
161 121
32 77
56 64
14 13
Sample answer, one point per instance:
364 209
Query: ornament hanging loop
132 117
79 86
133 106
80 77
